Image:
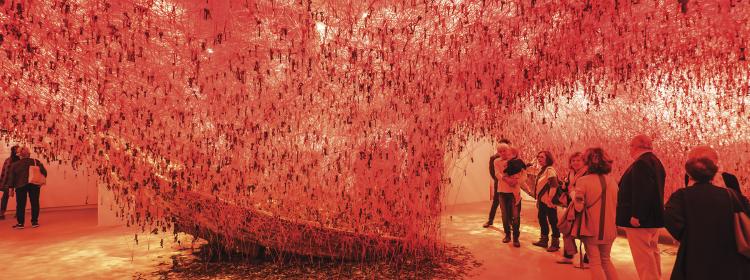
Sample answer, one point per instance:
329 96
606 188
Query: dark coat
492 170
19 172
730 181
641 193
515 166
701 218
4 182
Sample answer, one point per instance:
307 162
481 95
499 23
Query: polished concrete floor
69 245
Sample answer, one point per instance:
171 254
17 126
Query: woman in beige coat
601 206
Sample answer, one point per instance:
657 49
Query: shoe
35 225
2 217
565 260
506 239
541 243
18 226
555 246
586 259
516 244
486 225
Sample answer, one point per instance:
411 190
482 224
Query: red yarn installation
272 121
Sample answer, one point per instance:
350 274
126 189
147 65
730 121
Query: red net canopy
288 123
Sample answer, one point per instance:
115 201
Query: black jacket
4 182
19 172
701 218
641 193
729 180
492 170
515 166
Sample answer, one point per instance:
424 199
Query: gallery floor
69 245
462 226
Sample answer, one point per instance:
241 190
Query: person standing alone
20 180
640 207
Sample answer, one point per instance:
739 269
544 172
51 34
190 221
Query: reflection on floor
69 245
462 226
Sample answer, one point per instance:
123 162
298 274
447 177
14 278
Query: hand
634 222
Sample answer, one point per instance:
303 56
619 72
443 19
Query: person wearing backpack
27 175
596 200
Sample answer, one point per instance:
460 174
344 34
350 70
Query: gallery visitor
546 187
25 181
701 218
596 195
577 169
5 185
640 207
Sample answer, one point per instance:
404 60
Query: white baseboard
59 208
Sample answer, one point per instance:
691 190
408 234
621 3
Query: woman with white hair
18 177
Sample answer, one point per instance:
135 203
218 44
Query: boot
543 242
516 243
506 239
555 246
566 259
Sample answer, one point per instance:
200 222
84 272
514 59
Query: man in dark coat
19 179
701 218
640 207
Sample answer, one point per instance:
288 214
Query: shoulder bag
35 175
741 225
584 226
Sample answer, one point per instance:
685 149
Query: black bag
561 197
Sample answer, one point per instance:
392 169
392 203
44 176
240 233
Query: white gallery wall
469 173
65 186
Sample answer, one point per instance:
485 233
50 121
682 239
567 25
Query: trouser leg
607 265
34 192
506 211
552 218
643 246
21 204
569 246
4 202
493 208
516 217
542 216
595 261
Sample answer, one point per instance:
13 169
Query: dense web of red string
274 121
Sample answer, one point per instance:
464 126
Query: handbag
583 226
35 175
741 225
565 222
561 197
